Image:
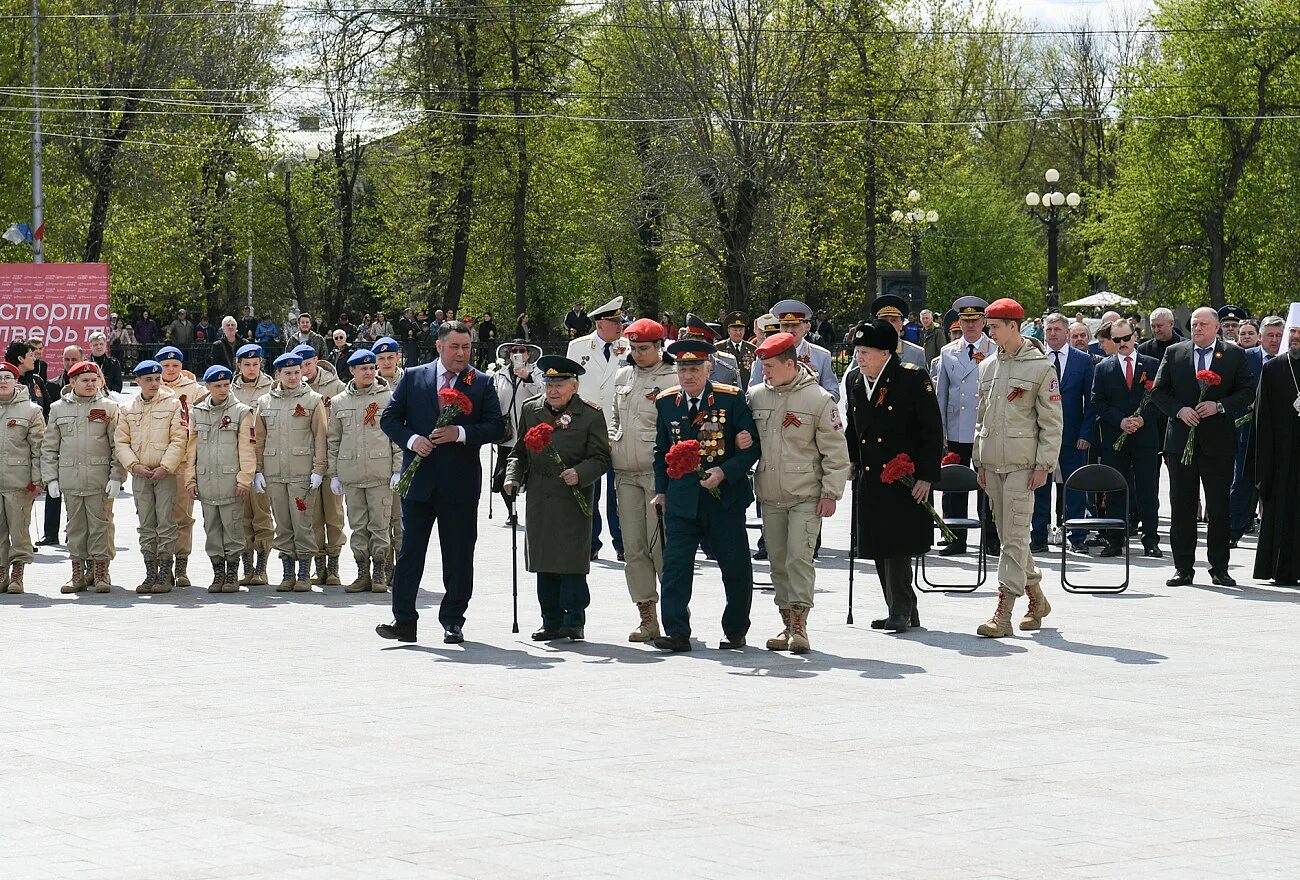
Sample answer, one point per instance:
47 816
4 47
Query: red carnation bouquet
900 469
684 458
454 405
951 458
538 439
1148 386
1208 379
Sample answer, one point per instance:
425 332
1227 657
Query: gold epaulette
910 367
595 406
668 392
726 389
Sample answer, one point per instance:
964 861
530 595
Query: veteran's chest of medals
711 432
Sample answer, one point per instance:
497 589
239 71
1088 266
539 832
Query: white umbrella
1104 299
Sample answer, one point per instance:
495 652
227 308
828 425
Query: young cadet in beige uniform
220 461
1018 425
150 444
78 465
188 390
290 431
631 439
22 428
388 356
327 508
365 465
799 478
248 385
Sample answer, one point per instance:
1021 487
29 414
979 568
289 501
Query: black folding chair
1098 478
756 525
958 478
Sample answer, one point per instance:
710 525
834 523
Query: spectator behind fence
147 331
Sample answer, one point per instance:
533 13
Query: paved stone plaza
273 735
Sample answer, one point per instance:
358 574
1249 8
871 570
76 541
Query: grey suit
725 369
957 383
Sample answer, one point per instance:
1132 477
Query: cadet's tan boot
999 625
259 570
87 574
218 574
799 629
332 570
319 577
648 630
150 576
164 583
250 575
379 580
362 583
1038 608
303 583
286 583
101 575
74 584
16 578
232 576
182 578
781 641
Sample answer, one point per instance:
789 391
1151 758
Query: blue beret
170 352
305 351
252 350
385 344
288 359
216 373
147 368
361 356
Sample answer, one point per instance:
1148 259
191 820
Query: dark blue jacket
724 407
413 409
1076 398
1113 401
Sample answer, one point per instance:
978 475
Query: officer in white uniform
601 354
796 319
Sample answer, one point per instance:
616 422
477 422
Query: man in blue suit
1074 372
447 485
1118 387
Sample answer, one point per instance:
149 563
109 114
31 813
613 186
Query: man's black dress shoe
402 632
1232 543
1222 579
1037 546
953 550
47 542
673 643
1112 550
572 633
1153 551
452 635
622 557
595 554
731 643
1081 548
760 554
993 549
894 623
548 635
1180 579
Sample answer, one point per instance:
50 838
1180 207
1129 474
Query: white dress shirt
441 371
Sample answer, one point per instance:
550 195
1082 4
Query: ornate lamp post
1055 207
915 221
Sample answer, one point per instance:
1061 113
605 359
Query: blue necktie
1203 355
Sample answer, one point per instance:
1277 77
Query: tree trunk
297 273
346 169
463 210
518 222
649 229
1213 225
870 210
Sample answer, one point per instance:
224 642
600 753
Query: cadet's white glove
392 481
316 480
52 488
259 483
113 487
335 486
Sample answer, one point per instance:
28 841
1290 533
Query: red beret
1005 308
644 330
82 367
6 367
774 345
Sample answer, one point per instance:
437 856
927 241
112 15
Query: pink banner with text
63 302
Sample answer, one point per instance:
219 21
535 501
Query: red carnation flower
538 437
897 468
1148 385
450 397
951 458
683 458
1208 377
299 502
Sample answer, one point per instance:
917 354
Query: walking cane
514 563
492 469
853 543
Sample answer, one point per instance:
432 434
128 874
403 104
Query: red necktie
1128 372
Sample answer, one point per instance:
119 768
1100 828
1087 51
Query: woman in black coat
891 409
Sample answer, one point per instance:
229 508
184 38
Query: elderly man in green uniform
714 416
726 368
738 346
560 493
1018 426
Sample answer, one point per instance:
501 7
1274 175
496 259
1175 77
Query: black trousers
457 521
1214 475
53 510
955 504
563 598
1141 470
895 573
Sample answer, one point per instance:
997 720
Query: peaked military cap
791 311
555 367
969 307
737 319
610 311
889 306
696 326
690 351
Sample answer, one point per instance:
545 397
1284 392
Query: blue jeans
611 511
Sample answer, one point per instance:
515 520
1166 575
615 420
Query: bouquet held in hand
900 469
684 458
1208 379
538 439
1147 387
454 405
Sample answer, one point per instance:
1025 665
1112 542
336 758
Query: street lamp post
1055 207
916 221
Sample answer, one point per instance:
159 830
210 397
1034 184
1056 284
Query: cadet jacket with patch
22 428
632 419
290 427
327 382
805 456
248 393
78 446
1019 421
220 454
359 452
152 432
187 389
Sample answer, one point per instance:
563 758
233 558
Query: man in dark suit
1211 410
1117 393
1074 377
447 485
